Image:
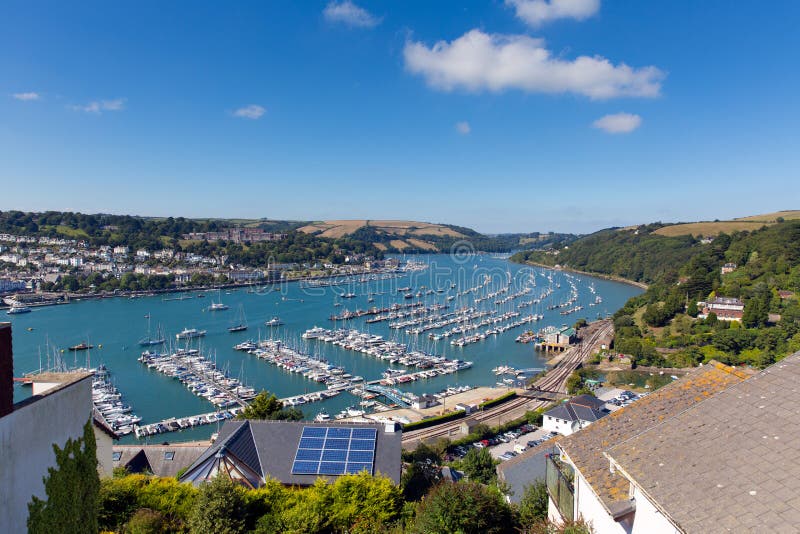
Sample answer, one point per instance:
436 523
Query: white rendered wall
26 447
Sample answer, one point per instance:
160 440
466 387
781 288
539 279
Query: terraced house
714 451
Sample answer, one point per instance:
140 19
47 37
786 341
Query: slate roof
526 468
585 448
268 448
153 458
580 408
731 462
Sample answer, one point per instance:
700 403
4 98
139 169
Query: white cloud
618 123
26 96
463 127
99 106
478 61
538 12
253 111
346 12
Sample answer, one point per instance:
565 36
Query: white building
583 483
573 415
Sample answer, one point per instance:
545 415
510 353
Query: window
116 455
169 455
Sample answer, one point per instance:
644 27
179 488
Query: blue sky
518 115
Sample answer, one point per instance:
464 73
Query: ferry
189 333
17 309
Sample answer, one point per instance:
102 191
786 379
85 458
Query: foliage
146 521
71 488
121 497
425 423
532 507
218 507
479 465
496 401
266 405
658 327
353 503
465 507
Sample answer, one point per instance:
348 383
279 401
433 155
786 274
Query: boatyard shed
298 452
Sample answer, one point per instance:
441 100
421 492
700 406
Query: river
114 325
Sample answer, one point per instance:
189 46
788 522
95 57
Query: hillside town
46 264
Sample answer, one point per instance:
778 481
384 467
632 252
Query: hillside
742 224
660 327
414 236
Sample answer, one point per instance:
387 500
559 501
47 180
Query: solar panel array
327 450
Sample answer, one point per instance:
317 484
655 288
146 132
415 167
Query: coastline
611 277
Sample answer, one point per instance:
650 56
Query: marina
447 289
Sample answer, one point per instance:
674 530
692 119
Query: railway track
554 380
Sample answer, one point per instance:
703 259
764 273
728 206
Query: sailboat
149 340
218 306
240 322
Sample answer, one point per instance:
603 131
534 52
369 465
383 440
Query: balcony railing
560 478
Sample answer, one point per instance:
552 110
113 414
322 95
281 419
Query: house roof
267 448
154 458
526 468
585 448
580 408
731 462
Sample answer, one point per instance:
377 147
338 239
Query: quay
201 376
174 424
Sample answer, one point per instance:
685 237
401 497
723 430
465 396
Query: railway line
554 380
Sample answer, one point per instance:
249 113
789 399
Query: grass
341 228
709 228
74 233
772 217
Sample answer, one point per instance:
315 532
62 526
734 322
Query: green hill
659 326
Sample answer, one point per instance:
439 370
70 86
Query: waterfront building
573 415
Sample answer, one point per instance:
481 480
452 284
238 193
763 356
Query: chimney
6 371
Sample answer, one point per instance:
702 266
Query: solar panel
334 455
360 456
331 468
362 444
311 443
342 433
308 454
305 468
337 444
353 468
364 433
314 431
335 451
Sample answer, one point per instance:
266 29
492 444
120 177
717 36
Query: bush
425 423
464 507
499 400
146 521
219 508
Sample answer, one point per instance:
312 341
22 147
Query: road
554 380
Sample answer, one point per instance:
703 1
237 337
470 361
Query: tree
71 487
533 505
464 507
479 465
267 406
219 508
